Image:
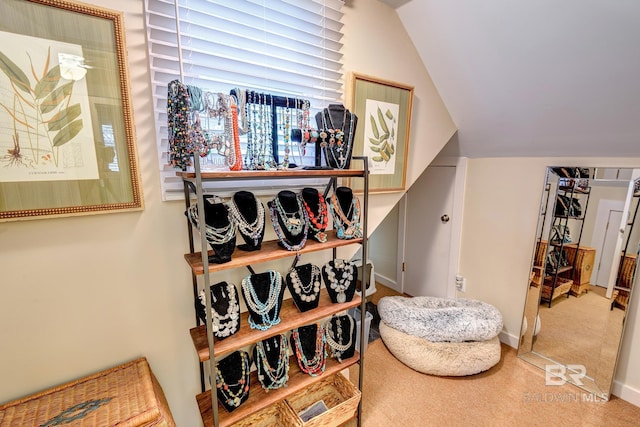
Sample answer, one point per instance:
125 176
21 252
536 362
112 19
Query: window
282 47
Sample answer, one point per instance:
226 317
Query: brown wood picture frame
383 109
67 141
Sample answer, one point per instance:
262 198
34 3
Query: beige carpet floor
512 393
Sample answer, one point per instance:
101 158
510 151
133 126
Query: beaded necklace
347 226
336 339
277 376
303 114
316 365
241 101
215 236
254 229
287 126
294 224
318 223
340 276
336 138
181 144
233 397
308 292
224 324
237 163
263 308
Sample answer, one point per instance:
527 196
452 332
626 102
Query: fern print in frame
45 122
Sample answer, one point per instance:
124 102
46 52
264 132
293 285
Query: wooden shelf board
261 174
260 399
269 251
291 319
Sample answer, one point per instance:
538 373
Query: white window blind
282 47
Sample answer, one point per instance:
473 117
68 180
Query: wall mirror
583 268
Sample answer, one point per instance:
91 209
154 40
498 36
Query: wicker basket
562 287
127 396
276 415
339 395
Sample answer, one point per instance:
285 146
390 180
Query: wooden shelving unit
291 319
204 343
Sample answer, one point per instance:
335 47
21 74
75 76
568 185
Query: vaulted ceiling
533 77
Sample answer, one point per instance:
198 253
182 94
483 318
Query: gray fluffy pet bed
441 319
441 358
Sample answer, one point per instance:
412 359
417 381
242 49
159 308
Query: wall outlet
461 283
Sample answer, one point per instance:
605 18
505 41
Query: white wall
502 199
81 294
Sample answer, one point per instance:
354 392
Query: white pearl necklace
345 270
307 292
215 236
223 325
253 230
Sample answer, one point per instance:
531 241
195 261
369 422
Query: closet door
428 232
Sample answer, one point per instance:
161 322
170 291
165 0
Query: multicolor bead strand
316 365
318 223
234 398
346 225
278 375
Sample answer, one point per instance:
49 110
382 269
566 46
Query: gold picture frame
67 141
383 109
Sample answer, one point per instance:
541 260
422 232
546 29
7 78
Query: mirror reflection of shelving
585 325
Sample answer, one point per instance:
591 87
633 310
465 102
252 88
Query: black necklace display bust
249 215
225 307
232 380
271 357
340 278
337 128
304 284
219 227
289 220
317 213
341 336
263 293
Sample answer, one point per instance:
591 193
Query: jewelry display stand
225 309
317 212
249 215
304 283
211 349
336 127
219 226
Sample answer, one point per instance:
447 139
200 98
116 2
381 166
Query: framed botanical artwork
67 143
383 109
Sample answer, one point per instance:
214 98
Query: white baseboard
626 393
509 339
389 283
